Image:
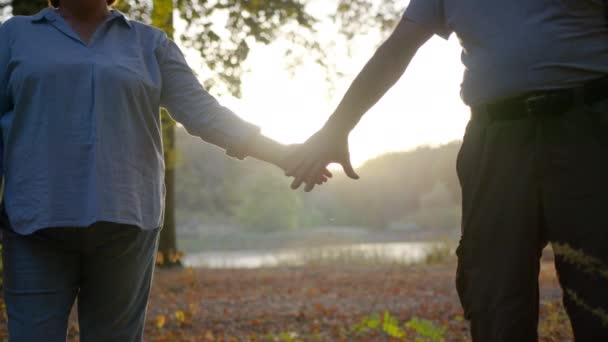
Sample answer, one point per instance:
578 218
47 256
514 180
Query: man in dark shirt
534 158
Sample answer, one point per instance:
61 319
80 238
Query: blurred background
244 258
284 65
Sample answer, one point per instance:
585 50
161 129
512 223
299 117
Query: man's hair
55 3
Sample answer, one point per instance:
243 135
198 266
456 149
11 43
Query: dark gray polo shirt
516 46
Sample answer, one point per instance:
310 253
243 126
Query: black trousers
526 183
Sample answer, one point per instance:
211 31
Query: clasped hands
307 163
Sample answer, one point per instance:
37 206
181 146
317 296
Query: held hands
270 151
288 160
308 164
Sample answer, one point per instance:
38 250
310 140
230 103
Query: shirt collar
46 14
114 13
50 15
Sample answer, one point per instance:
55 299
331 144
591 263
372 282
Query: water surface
405 253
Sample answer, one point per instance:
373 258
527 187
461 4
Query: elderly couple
80 90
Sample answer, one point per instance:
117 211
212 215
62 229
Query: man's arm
330 144
380 73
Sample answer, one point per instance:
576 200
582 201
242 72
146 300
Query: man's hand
312 158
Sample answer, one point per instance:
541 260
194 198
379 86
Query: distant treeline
410 190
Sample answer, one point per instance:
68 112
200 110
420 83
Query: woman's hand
312 158
290 161
270 151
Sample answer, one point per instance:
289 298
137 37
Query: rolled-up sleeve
5 103
192 106
430 14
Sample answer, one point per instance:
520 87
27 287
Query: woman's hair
55 3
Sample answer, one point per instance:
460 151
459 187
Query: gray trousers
527 183
107 266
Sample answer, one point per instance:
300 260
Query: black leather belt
550 103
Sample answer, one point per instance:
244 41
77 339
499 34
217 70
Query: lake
402 253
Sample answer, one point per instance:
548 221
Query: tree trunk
168 256
28 7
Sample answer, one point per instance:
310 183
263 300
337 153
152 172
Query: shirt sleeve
430 14
200 113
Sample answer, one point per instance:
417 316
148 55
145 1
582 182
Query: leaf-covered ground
321 303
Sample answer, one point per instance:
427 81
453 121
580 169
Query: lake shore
230 238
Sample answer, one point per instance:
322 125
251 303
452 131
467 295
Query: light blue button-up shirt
80 123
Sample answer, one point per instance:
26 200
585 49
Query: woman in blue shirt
80 91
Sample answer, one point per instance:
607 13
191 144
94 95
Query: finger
298 179
349 169
307 173
312 175
301 173
325 176
322 179
297 182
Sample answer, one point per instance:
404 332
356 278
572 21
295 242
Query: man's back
516 46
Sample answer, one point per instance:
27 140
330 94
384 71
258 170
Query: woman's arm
202 115
191 105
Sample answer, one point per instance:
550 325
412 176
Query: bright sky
424 108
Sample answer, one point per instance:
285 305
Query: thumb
349 169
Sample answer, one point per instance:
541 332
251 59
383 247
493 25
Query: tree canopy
225 31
